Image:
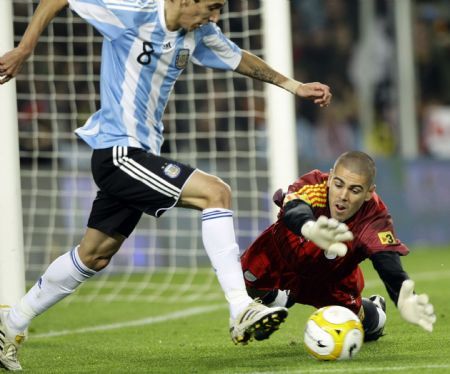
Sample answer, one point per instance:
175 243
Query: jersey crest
182 58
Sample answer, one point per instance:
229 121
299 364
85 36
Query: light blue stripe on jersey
141 61
184 43
103 19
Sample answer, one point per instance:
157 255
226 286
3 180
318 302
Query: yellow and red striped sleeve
314 195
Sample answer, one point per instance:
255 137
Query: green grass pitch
144 337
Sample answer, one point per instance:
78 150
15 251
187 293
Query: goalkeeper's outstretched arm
255 67
327 233
12 61
413 308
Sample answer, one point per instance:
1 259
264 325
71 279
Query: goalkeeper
146 46
310 256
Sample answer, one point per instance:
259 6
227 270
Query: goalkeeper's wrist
291 85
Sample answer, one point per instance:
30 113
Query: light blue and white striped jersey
141 60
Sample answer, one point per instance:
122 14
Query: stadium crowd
327 45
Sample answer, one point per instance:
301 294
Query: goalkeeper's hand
415 308
328 234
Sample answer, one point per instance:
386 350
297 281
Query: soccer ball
333 333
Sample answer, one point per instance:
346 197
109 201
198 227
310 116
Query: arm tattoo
265 75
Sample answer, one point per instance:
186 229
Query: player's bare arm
255 67
11 62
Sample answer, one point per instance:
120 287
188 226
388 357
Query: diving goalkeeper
328 223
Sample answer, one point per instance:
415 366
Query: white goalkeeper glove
415 308
329 235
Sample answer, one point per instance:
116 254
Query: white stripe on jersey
156 81
130 87
159 79
132 5
97 13
140 173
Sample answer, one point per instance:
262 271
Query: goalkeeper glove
329 235
415 308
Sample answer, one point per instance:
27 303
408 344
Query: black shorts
132 181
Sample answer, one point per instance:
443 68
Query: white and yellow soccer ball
333 333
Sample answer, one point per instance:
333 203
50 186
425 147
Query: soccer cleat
9 346
379 301
256 321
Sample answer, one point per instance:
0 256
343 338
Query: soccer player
328 223
147 44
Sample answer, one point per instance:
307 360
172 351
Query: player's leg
374 317
154 184
110 222
61 279
211 195
64 275
263 273
371 311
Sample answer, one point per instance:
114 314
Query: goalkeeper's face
197 13
347 192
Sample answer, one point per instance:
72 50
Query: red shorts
304 272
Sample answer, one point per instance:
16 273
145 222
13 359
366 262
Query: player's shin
60 279
220 244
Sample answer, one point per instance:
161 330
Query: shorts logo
182 58
172 170
386 238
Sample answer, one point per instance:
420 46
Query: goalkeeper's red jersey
279 259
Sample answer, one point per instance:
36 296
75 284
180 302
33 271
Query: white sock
60 279
220 243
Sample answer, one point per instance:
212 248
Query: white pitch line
138 322
202 310
361 369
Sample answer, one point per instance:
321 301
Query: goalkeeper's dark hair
358 162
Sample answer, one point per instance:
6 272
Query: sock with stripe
220 243
60 279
